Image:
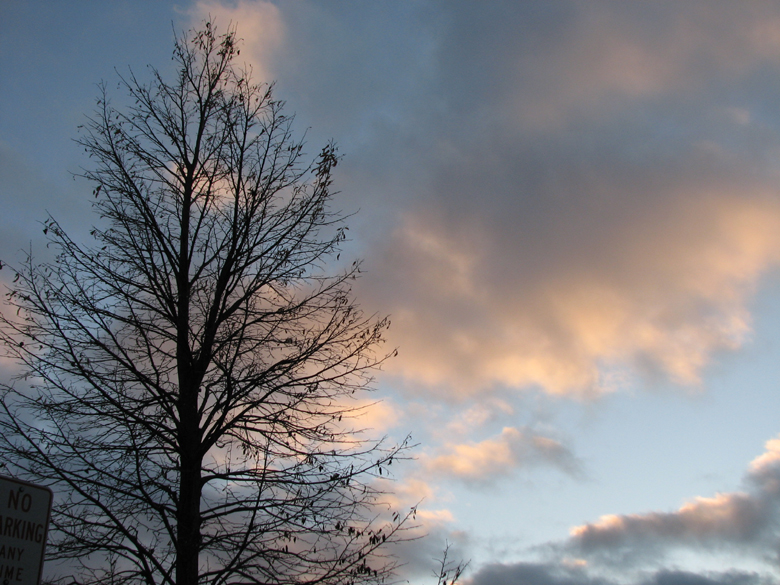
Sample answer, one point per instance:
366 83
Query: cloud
547 67
370 417
259 24
601 248
725 518
428 533
482 462
478 414
659 291
563 574
745 519
532 574
420 558
667 577
564 202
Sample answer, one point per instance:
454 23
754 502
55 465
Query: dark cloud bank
548 574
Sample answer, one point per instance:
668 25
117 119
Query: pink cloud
260 26
484 461
663 289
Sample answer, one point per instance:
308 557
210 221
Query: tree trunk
188 512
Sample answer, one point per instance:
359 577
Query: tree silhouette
187 378
449 572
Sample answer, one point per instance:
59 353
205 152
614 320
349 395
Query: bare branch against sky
187 377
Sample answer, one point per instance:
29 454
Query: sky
570 210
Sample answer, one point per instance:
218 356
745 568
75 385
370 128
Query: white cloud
639 548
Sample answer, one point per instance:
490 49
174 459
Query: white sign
24 522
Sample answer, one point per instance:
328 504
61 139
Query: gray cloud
551 574
746 520
666 577
533 574
419 560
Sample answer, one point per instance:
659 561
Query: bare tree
185 376
449 572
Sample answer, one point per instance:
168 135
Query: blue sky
570 210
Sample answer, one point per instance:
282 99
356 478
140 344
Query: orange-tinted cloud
484 461
260 27
661 290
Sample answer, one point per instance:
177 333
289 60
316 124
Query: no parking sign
24 521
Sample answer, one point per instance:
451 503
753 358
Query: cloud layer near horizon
747 519
552 574
745 522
